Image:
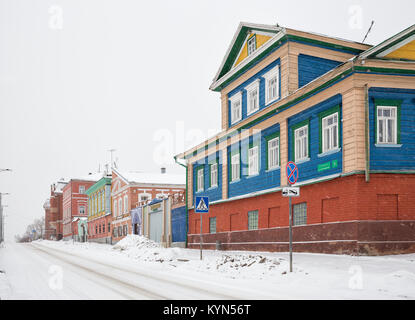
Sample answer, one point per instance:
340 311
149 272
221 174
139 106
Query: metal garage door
156 220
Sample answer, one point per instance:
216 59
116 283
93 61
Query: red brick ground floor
121 227
343 215
99 229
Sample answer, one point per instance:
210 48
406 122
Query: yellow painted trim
260 40
405 52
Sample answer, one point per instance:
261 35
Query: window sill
273 169
199 191
252 112
234 181
388 145
267 103
236 122
327 153
302 161
253 175
211 188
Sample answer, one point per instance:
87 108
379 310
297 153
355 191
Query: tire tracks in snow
141 291
195 289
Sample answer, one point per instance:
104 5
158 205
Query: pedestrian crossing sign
202 205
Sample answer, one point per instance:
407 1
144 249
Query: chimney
163 170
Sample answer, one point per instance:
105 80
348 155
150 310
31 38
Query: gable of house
404 50
257 38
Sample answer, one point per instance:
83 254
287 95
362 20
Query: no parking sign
292 176
292 172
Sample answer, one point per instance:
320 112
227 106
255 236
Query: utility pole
2 218
1 221
1 212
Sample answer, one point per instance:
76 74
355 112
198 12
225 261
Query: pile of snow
144 249
245 261
248 265
230 264
133 241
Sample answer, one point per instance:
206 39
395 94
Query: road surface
35 271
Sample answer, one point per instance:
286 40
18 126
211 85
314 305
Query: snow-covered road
39 272
138 269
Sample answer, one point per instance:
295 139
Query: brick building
128 189
99 210
342 111
75 203
54 212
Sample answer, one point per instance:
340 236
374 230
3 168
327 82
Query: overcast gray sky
79 77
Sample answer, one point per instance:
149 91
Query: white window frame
304 157
125 204
249 45
211 229
254 86
235 167
79 209
253 223
81 189
119 206
253 161
386 125
275 149
115 208
273 73
329 128
214 174
299 212
144 194
200 180
233 100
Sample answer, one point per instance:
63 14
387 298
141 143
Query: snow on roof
46 204
60 185
91 176
152 178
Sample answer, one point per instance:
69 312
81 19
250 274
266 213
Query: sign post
292 176
201 206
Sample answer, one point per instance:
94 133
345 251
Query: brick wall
387 197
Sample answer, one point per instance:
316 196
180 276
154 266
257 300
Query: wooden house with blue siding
343 111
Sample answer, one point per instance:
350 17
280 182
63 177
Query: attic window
251 45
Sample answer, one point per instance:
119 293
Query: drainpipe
367 141
187 212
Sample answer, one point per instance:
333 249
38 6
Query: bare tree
34 231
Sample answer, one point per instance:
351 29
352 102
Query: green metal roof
97 185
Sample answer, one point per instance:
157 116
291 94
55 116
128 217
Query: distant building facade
128 189
54 212
75 203
165 220
99 210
